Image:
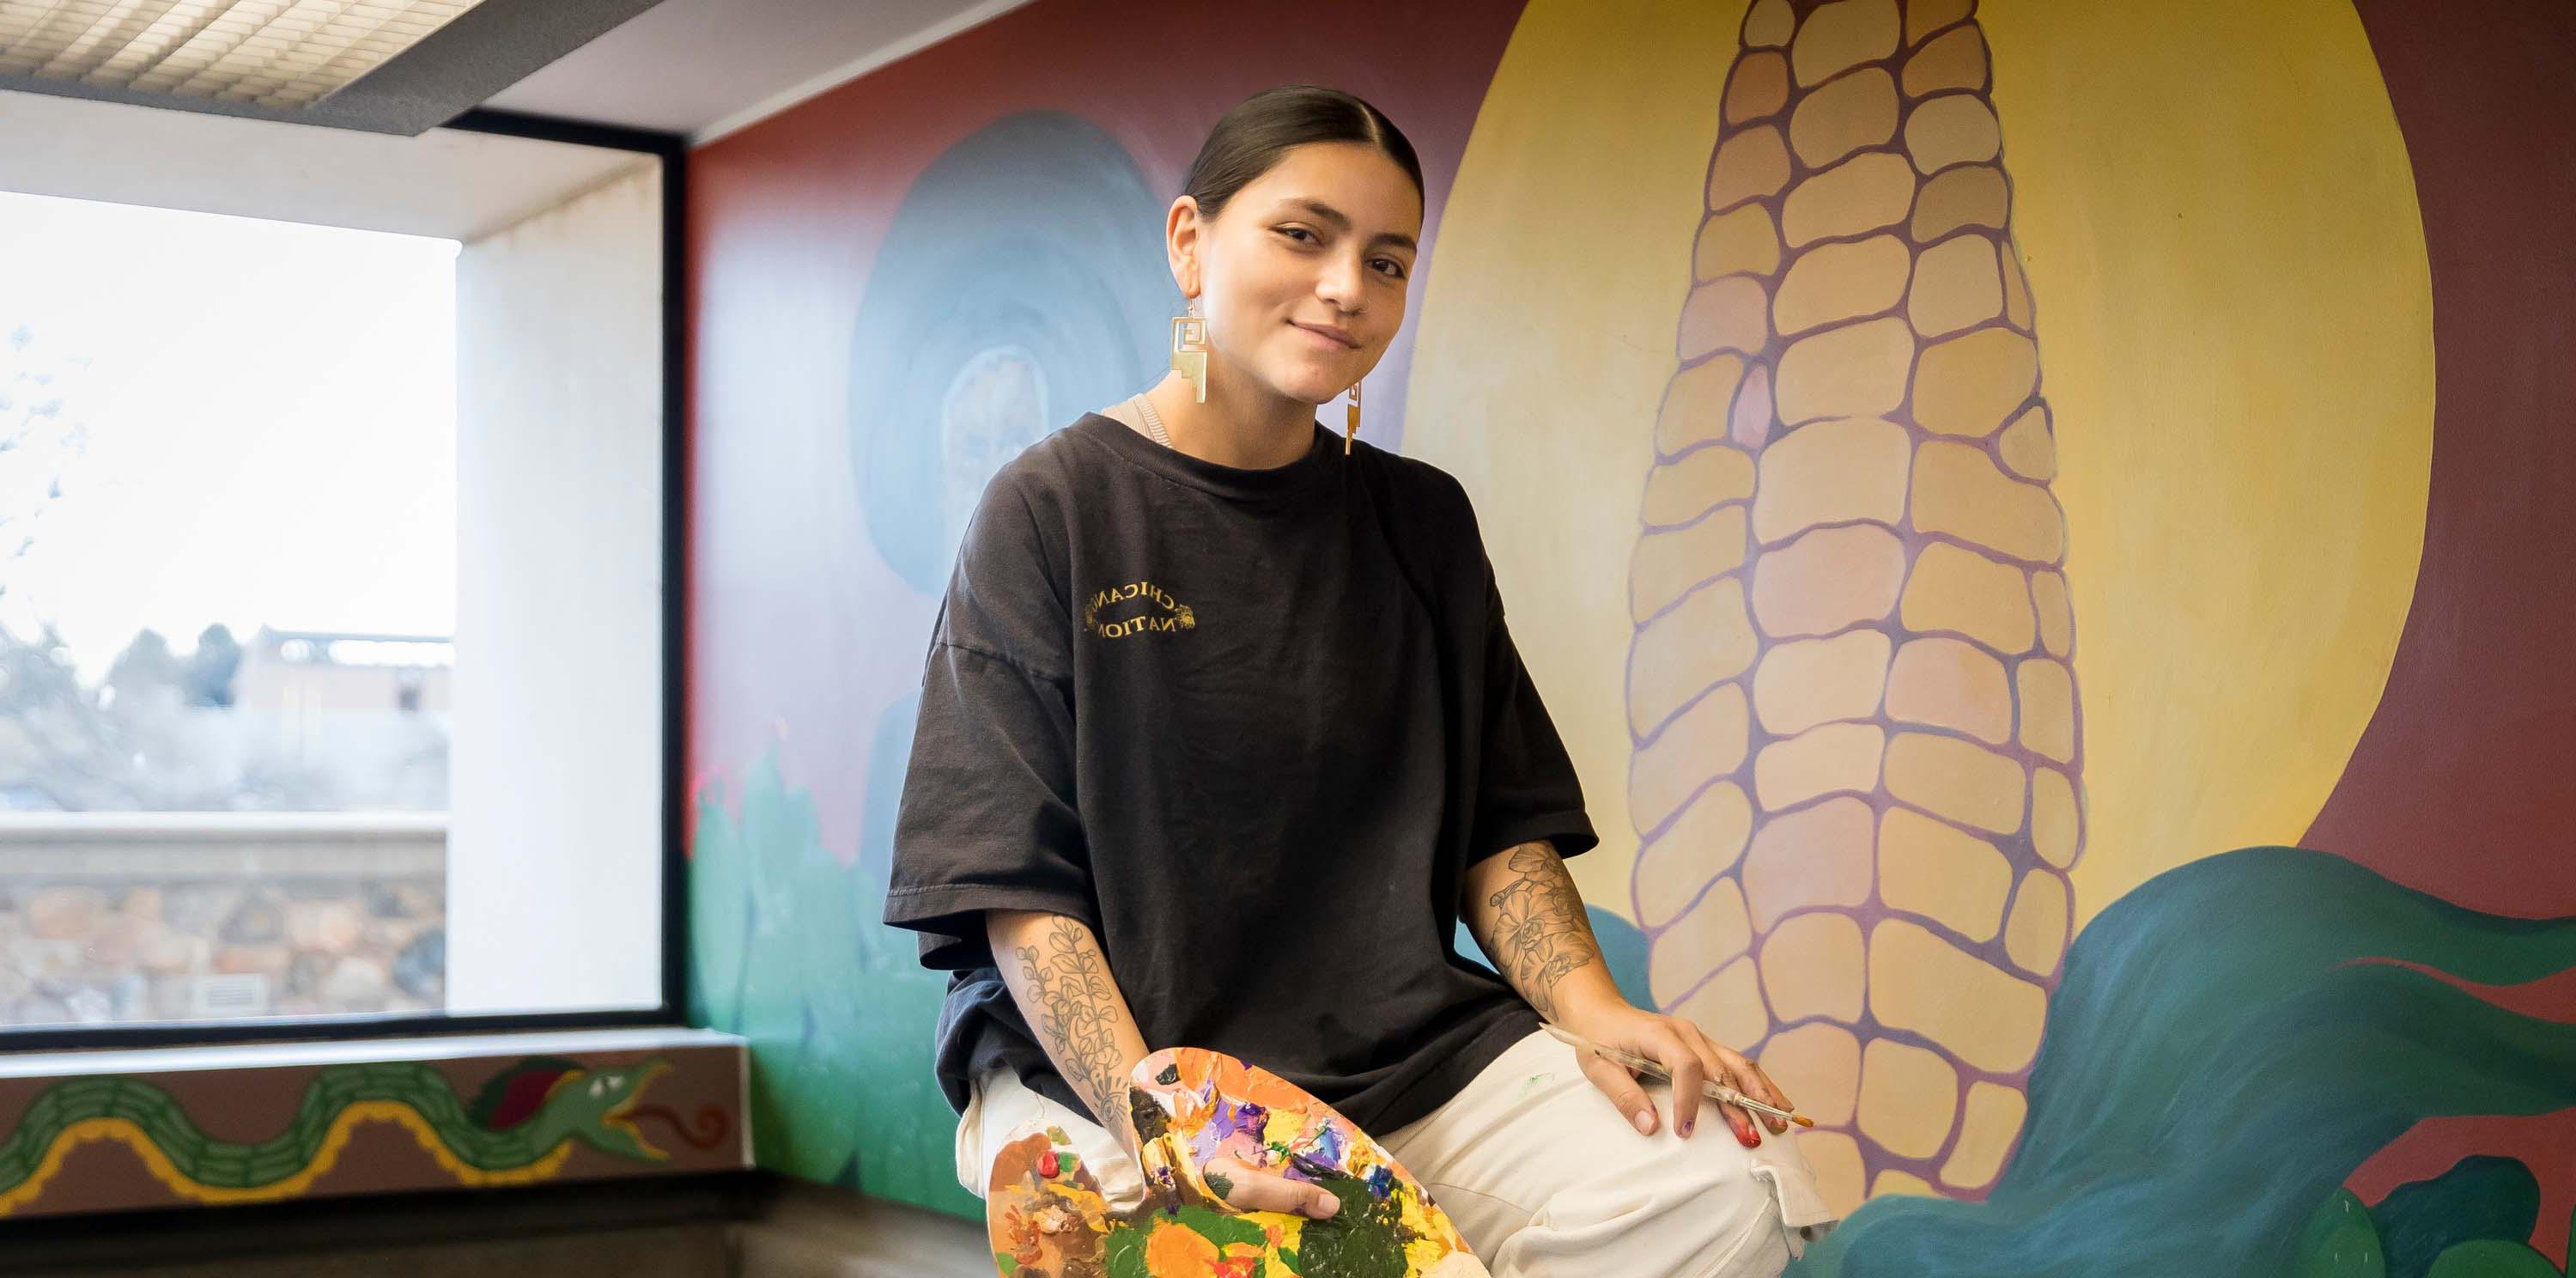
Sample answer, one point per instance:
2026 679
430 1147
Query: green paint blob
2489 1258
2339 1242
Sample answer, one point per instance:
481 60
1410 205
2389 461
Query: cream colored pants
1544 1177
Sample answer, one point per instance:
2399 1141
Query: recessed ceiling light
272 53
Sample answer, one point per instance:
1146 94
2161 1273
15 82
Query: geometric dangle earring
1351 423
1190 349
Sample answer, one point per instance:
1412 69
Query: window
336 601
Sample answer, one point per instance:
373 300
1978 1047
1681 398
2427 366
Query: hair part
1254 134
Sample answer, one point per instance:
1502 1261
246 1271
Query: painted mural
91 1142
785 951
1855 765
1822 376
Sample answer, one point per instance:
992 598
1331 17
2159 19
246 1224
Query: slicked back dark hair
1253 134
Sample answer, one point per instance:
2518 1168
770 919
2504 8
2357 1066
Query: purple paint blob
1330 1146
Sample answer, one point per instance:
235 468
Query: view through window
229 629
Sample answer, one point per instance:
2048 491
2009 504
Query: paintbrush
1715 1090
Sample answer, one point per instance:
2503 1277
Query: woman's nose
1341 285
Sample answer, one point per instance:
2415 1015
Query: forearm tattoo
1540 931
1076 1009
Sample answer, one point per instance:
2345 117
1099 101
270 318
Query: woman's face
1302 276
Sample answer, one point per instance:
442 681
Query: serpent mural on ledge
522 1126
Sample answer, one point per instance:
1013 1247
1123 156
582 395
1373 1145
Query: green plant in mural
2470 1222
785 949
504 1138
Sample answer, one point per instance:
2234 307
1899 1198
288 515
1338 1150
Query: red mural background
2461 786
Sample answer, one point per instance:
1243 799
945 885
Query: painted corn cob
1856 763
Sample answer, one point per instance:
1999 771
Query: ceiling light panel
282 54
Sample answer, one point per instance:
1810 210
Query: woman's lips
1328 336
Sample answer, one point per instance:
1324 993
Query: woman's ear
1183 240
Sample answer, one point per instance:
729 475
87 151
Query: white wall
554 854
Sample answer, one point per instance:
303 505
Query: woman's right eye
1293 232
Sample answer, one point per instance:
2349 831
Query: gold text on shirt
1163 613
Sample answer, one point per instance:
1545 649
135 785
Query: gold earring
1190 349
1351 423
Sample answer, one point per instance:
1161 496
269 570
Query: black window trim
672 149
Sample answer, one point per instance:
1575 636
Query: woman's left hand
1679 1046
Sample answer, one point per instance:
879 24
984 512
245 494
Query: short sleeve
988 819
1526 788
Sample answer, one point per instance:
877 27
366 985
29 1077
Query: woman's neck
1238 426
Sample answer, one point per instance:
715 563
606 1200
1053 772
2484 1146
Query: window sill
285 1121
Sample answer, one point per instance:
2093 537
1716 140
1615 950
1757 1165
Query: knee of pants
1120 1181
1682 1215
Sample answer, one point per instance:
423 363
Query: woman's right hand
1252 1189
1061 982
1226 1175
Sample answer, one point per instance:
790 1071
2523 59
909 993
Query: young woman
1222 732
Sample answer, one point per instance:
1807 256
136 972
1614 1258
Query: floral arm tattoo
1531 922
1074 1006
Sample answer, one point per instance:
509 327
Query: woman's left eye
1391 268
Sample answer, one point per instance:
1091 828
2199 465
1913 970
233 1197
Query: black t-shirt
1252 727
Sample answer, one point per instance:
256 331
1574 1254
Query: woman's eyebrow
1341 221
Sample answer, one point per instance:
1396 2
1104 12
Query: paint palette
1047 1217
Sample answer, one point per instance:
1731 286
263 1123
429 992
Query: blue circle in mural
1022 284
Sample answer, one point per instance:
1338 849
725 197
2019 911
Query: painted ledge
267 1122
